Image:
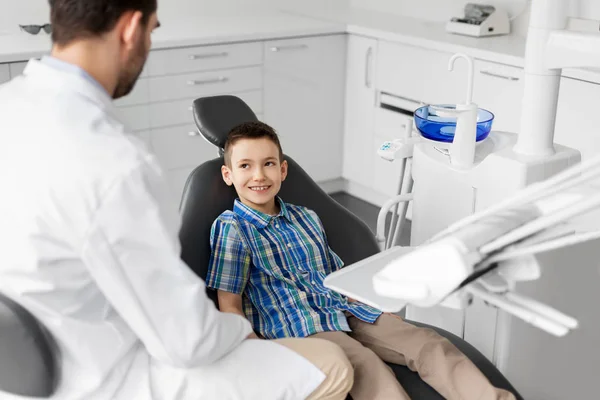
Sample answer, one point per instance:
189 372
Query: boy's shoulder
227 217
296 210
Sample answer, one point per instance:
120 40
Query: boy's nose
259 175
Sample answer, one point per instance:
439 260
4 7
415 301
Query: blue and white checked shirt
278 264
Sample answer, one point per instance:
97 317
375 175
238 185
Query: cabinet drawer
204 83
17 69
4 73
303 57
576 125
181 146
136 118
499 89
139 95
180 111
420 74
205 58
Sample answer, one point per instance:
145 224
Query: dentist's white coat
88 243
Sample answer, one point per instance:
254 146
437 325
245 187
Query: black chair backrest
206 196
28 355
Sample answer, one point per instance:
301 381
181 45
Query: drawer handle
220 79
368 62
208 55
193 133
276 49
508 78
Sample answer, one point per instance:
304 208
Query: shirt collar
71 68
258 218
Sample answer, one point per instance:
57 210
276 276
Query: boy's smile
256 173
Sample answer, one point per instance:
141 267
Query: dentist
88 236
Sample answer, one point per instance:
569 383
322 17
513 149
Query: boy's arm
229 265
232 303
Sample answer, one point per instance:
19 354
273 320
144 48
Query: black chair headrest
29 356
215 116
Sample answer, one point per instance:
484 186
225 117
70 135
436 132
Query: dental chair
206 196
28 356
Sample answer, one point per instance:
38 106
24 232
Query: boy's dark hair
250 130
81 19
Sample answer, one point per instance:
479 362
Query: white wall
22 12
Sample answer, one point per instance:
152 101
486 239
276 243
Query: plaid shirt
278 264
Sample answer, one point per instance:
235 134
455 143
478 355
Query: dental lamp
520 197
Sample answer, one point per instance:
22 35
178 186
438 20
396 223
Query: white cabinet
419 74
174 79
360 110
16 69
576 116
304 100
205 58
4 73
499 88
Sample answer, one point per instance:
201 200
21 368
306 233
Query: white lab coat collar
53 78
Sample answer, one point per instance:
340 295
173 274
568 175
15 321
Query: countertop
205 28
225 25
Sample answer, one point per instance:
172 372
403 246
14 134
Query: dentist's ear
226 174
284 170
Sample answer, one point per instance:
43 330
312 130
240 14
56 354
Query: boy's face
256 173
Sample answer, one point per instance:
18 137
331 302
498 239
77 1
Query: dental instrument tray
480 20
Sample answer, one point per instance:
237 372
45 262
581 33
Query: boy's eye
244 166
269 163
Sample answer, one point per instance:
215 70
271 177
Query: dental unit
485 203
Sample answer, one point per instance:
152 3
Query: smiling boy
268 262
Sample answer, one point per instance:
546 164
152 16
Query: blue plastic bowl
442 129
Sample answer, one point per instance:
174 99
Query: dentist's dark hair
81 19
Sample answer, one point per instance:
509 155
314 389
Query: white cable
542 223
543 309
388 238
519 311
544 246
561 181
385 209
406 189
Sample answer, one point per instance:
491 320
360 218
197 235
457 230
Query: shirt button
328 295
289 245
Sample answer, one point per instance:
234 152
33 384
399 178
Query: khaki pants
331 360
391 339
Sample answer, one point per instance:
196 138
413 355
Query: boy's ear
284 170
226 173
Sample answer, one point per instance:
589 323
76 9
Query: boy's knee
336 365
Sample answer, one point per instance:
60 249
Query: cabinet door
360 110
499 89
304 100
576 116
17 69
4 73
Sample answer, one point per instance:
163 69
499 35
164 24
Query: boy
268 263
